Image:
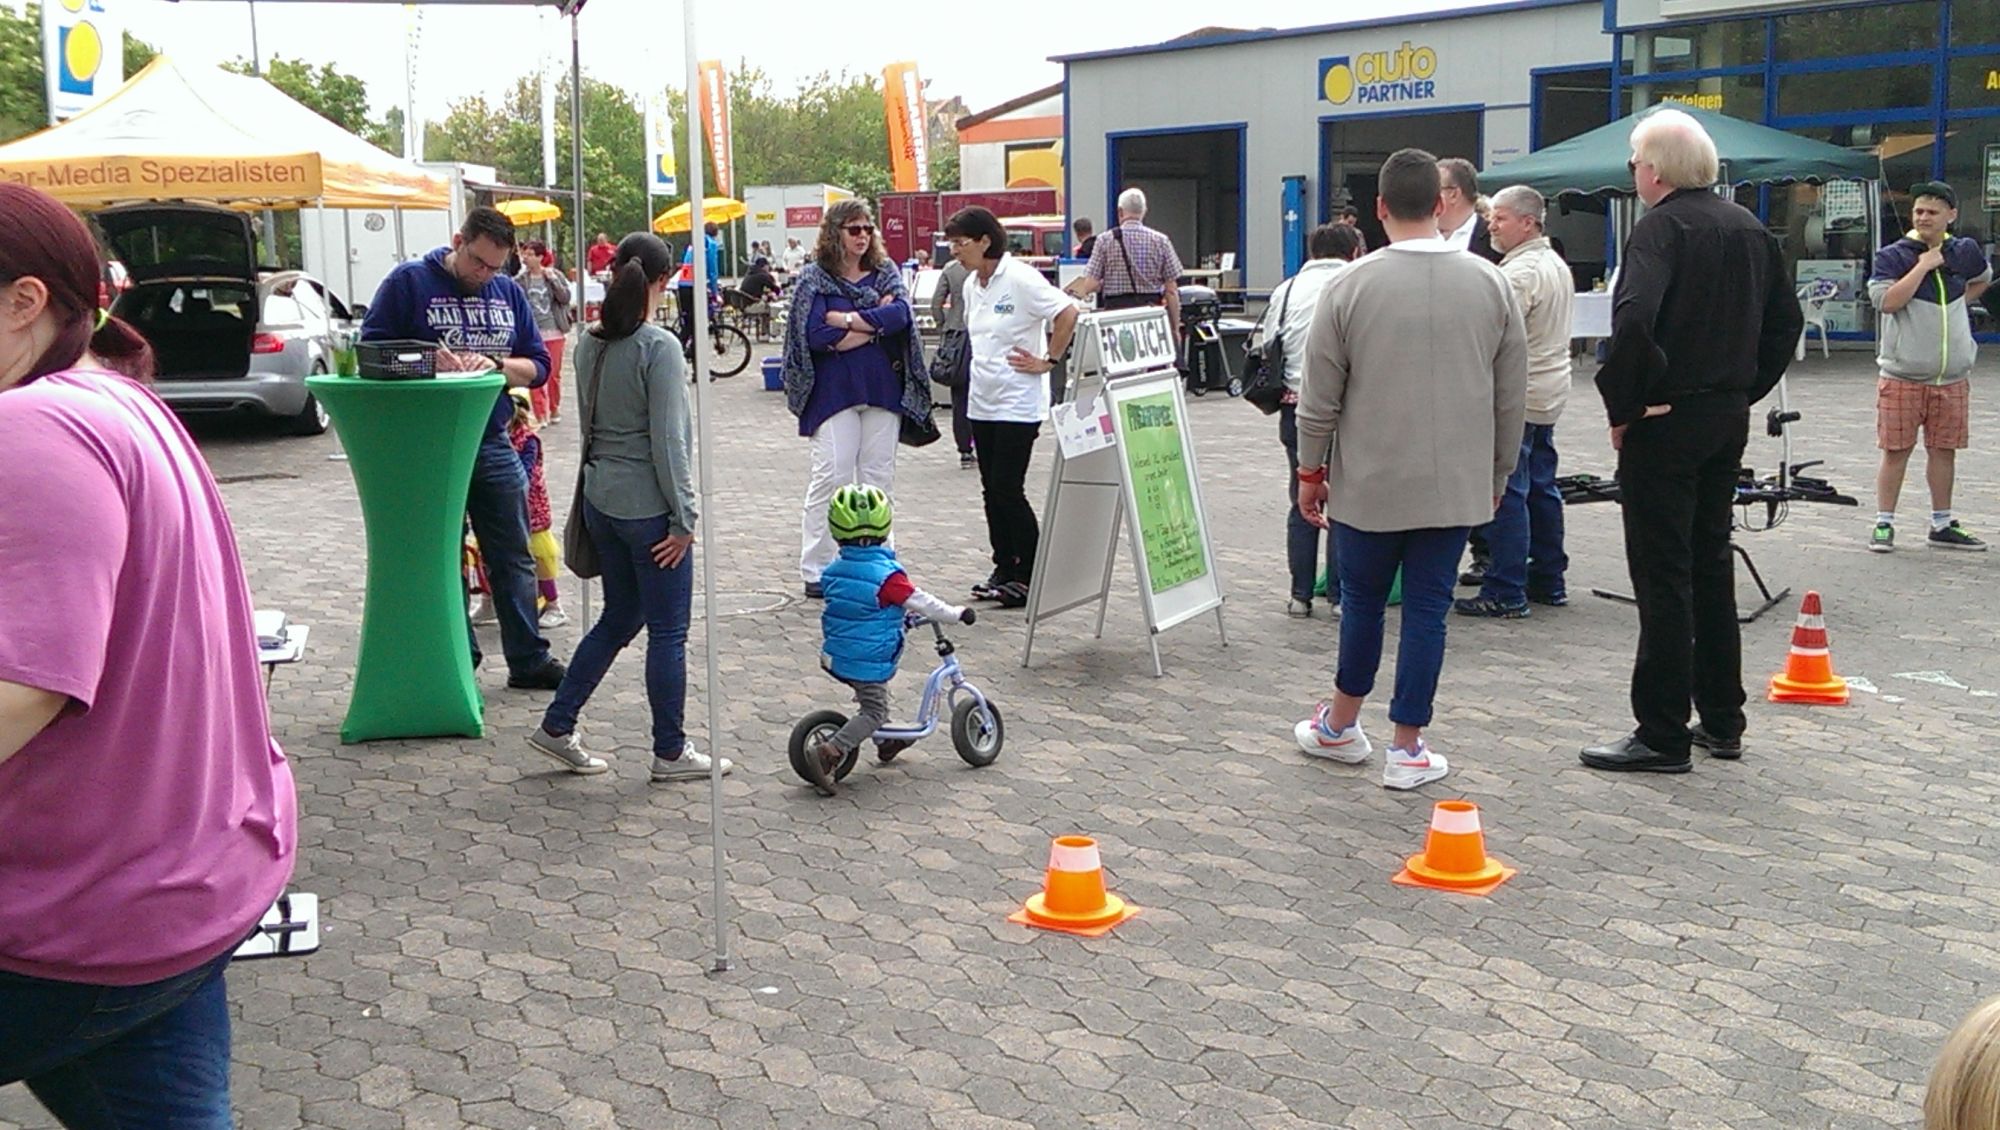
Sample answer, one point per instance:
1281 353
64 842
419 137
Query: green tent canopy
1593 164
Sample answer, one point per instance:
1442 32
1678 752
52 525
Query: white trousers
855 445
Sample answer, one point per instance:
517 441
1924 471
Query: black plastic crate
398 360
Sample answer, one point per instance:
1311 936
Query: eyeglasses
859 229
957 241
479 264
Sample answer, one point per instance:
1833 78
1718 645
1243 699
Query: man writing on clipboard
1133 265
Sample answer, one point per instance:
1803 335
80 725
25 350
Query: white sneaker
691 765
1318 738
1403 769
567 749
554 617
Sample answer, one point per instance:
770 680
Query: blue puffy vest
863 640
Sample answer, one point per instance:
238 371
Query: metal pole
703 389
271 217
576 204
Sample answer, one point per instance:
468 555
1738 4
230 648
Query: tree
24 104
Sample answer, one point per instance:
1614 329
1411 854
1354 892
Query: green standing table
411 446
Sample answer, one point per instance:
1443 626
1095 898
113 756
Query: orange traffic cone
1073 900
1454 856
1808 675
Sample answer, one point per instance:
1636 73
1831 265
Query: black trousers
1677 477
1005 450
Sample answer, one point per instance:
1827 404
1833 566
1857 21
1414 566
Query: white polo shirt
1012 309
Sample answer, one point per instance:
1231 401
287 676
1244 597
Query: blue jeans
1368 564
106 1058
1301 536
498 507
1526 534
637 593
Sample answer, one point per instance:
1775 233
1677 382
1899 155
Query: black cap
1938 189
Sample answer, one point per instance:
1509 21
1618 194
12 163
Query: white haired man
1525 537
1137 266
1703 324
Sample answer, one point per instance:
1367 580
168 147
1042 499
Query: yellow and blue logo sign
79 49
1402 75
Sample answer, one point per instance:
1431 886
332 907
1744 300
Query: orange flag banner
715 119
909 141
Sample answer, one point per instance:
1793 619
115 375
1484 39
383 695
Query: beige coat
1545 290
1416 372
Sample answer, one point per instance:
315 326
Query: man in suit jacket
1460 223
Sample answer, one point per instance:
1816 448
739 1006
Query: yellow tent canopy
525 212
185 132
715 209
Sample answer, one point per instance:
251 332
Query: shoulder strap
596 391
1131 275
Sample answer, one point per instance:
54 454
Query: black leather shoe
1629 755
547 677
1728 749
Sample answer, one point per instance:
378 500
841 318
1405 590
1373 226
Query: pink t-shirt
147 829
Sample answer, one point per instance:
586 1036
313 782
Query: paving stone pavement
1779 942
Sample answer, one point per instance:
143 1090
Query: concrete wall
1275 86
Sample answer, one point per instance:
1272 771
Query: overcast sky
481 50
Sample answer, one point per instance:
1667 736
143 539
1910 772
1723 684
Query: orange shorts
1944 412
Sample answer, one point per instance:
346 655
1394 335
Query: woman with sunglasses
852 371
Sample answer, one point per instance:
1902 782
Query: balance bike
976 729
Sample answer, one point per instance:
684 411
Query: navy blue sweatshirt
421 301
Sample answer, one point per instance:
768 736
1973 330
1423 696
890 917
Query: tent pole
326 262
703 390
576 202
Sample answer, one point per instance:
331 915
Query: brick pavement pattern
1780 942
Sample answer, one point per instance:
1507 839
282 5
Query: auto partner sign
1379 77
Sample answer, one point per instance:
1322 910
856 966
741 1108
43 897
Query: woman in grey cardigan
638 507
952 366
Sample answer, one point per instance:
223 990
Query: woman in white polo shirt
1017 324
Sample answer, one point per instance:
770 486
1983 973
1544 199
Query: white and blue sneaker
1407 769
1318 738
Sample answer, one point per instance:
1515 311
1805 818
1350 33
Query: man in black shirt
1703 324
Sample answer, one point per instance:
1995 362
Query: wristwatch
1312 474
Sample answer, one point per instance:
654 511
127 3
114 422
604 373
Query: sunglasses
859 229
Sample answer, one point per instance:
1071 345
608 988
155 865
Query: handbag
579 552
950 357
1264 367
912 431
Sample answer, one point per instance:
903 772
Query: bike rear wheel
730 348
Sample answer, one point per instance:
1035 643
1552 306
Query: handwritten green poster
1149 434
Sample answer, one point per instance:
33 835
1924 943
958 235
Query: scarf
905 351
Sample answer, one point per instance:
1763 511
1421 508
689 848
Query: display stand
411 446
1125 456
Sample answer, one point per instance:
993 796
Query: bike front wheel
730 351
977 732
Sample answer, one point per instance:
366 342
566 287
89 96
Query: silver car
226 336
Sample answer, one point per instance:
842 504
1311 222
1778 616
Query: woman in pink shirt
147 819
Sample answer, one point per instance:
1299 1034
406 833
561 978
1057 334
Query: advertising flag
909 141
661 177
83 55
715 117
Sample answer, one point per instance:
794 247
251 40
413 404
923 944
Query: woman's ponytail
624 307
121 347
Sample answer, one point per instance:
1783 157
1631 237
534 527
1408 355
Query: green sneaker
1883 540
1955 537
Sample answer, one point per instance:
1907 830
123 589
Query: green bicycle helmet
859 512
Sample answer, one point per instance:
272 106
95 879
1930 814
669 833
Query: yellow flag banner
715 117
909 141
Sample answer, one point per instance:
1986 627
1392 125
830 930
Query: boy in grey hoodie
1921 286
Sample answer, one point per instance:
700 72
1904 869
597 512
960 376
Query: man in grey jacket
951 365
1407 435
1921 287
